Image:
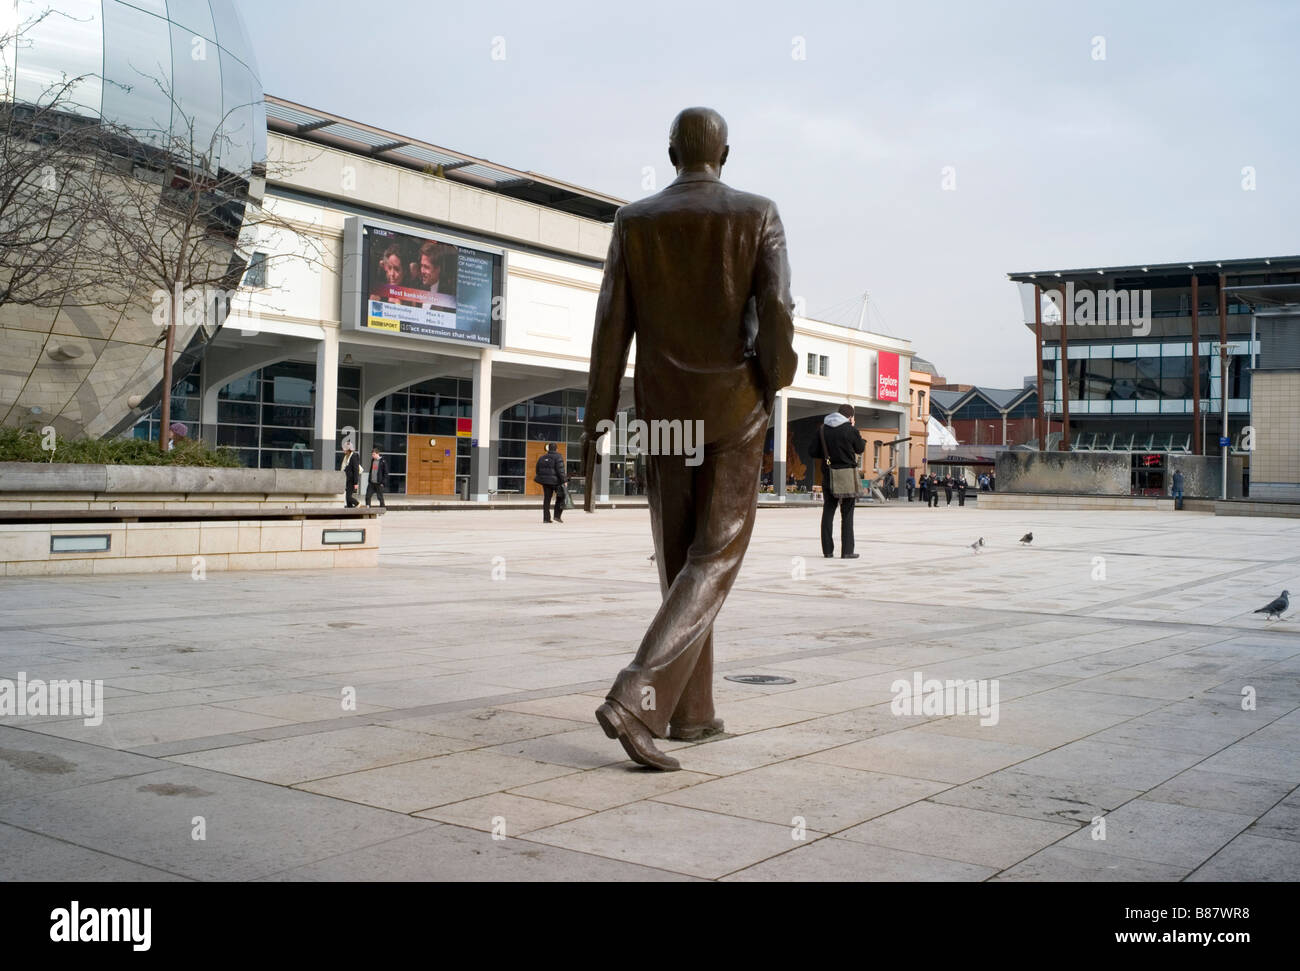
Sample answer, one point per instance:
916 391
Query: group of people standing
930 486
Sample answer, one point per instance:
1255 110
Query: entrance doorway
430 465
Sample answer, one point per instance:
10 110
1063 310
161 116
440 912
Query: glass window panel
350 377
1176 377
194 16
510 467
349 400
1100 377
247 388
397 402
196 74
1124 381
396 463
158 7
61 45
509 484
444 426
421 425
185 409
511 429
137 72
238 92
295 459
289 416
1075 379
286 438
237 412
420 404
511 450
1148 377
231 33
238 435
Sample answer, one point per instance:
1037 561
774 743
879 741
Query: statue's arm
775 345
611 342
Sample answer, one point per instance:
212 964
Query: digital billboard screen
428 287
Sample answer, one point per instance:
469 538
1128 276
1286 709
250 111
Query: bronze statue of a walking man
698 273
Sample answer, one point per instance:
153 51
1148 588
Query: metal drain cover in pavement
758 679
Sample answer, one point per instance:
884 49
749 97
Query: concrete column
480 463
1004 429
327 399
780 424
208 409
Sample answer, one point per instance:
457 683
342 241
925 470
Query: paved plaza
431 719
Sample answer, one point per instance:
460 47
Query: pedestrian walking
1178 489
911 487
934 491
551 475
925 489
351 475
838 446
993 482
377 481
961 490
947 489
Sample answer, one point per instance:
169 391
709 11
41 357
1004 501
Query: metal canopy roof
323 128
1263 264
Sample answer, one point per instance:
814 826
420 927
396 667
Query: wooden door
430 465
534 451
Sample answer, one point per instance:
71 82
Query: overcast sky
847 114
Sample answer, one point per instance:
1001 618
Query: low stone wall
1019 500
164 519
55 487
1109 474
187 546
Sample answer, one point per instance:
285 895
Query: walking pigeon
1277 608
651 557
1027 538
975 546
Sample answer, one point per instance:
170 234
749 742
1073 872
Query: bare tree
181 222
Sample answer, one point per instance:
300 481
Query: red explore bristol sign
886 376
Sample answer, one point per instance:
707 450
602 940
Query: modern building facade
461 385
1137 364
988 416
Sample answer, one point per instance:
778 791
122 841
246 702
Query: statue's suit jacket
682 266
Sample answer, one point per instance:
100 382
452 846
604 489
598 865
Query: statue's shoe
694 733
634 737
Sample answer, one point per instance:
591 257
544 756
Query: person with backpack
551 475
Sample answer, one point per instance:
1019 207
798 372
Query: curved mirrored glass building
160 75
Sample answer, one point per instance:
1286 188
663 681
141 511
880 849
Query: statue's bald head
698 137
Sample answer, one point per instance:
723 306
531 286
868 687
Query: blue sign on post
1224 440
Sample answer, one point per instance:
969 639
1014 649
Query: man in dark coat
551 475
961 489
843 446
947 489
377 480
934 490
351 474
911 487
698 274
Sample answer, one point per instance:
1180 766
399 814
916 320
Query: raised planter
165 519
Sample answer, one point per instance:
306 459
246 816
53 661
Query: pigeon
1027 538
975 546
651 557
1277 608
